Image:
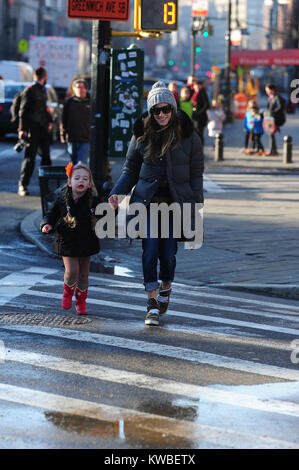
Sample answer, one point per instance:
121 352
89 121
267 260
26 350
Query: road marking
19 282
194 316
196 392
210 186
196 303
184 354
201 292
232 337
252 182
136 421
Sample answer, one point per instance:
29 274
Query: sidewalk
250 238
234 143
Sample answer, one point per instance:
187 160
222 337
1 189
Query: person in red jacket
201 105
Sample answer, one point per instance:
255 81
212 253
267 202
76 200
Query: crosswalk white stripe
184 354
232 337
18 283
197 303
200 292
193 431
210 186
252 183
154 383
227 321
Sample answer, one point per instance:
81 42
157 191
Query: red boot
81 301
67 295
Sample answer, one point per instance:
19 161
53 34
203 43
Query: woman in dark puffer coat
164 163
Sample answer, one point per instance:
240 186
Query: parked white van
17 71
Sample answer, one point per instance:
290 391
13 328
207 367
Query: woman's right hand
113 201
47 228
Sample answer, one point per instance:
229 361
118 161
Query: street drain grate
42 320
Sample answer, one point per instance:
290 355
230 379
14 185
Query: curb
28 229
290 291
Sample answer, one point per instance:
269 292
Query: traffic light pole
227 100
193 45
100 79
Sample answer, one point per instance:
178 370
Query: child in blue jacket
253 125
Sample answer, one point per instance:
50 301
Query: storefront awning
265 57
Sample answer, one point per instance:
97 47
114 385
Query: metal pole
193 34
287 149
100 79
218 156
227 102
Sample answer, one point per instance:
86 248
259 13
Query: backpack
280 116
15 107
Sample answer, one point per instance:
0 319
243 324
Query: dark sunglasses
164 109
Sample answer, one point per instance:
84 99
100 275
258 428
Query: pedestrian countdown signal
156 15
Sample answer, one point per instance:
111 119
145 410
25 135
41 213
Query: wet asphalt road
216 374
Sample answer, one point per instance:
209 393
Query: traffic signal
208 30
156 15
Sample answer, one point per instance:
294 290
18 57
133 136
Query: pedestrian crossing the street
216 355
251 182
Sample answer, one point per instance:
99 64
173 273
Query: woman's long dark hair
158 140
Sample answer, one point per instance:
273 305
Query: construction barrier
240 105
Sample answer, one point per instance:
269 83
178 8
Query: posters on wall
126 97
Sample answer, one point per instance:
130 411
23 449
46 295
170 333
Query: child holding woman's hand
72 216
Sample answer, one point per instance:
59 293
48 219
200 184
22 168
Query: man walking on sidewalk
75 123
35 124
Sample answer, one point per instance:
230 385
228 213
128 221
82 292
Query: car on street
8 89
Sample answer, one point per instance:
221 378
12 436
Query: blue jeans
162 249
78 151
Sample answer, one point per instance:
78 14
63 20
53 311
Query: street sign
236 37
23 45
200 8
156 15
104 10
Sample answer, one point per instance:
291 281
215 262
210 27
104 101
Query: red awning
265 57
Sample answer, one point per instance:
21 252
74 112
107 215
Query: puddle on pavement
131 431
164 427
116 270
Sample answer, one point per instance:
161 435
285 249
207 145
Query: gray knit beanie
159 93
